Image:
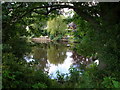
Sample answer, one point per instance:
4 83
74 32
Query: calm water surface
51 57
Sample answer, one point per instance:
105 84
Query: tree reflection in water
40 56
56 53
51 57
81 61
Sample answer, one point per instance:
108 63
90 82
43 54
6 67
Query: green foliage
102 43
39 85
86 81
88 78
116 84
101 36
21 75
57 38
18 46
60 77
16 18
56 27
74 75
110 82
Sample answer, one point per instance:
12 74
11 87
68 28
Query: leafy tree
56 26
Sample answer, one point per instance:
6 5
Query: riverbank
47 39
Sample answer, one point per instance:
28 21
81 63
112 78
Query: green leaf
116 84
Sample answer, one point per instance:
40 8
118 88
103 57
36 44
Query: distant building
72 25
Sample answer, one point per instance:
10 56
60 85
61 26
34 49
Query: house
72 25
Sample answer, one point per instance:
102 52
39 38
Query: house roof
72 24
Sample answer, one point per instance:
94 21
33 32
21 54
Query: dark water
51 57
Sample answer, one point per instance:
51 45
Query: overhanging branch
78 10
88 18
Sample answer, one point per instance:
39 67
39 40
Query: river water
52 57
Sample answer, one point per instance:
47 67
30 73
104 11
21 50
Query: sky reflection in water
55 57
63 68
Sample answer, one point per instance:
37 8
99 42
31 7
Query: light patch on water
62 68
29 58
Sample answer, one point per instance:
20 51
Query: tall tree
56 26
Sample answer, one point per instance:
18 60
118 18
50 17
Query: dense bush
21 75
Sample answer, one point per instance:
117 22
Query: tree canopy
56 26
98 27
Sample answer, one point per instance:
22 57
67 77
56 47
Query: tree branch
88 18
53 7
77 9
57 6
